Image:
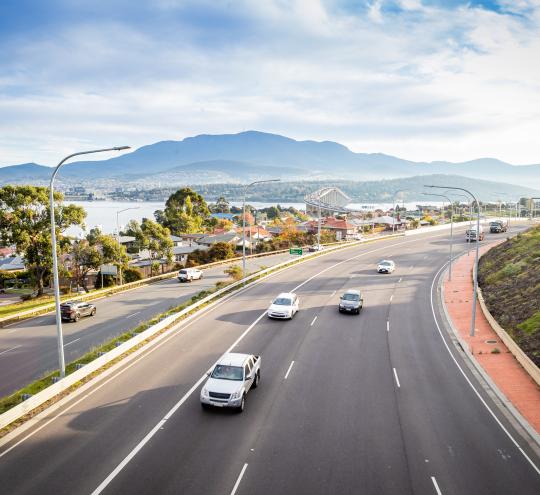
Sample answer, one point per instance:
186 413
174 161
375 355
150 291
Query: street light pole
60 339
394 207
475 270
470 217
118 238
451 230
244 221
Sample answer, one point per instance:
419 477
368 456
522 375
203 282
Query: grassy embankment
509 275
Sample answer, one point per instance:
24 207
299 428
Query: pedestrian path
513 381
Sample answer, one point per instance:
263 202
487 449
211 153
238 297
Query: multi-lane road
380 403
29 349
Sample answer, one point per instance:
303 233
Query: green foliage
185 212
25 223
152 236
105 281
131 274
220 206
234 271
220 251
531 325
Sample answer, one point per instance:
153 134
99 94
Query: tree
96 250
185 211
224 224
25 223
157 239
85 256
221 206
220 251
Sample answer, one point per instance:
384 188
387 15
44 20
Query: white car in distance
284 306
230 381
189 274
386 266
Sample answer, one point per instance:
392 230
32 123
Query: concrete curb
503 403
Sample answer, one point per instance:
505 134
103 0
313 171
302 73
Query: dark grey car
75 310
351 302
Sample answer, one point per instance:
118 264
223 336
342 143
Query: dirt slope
509 276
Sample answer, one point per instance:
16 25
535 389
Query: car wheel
242 405
77 317
200 278
93 313
205 407
257 379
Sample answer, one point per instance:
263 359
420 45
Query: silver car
351 302
230 381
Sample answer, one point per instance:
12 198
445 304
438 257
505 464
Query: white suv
230 381
189 274
284 306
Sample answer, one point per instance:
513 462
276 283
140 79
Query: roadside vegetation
509 275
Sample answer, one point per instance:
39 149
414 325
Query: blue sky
420 79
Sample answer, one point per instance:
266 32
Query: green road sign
296 251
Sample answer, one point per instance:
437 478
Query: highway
29 349
371 404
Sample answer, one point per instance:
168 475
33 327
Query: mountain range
252 155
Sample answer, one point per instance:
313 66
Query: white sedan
386 266
284 306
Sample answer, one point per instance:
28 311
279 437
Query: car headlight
204 392
236 395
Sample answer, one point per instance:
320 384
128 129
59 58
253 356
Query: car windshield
385 263
283 301
224 372
183 271
350 297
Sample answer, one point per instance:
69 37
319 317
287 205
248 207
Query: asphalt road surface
29 349
371 404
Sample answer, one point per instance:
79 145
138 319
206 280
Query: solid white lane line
138 312
289 370
387 326
69 343
10 349
437 489
14 330
239 479
314 320
397 379
167 416
484 403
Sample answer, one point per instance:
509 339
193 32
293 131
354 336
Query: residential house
12 264
209 240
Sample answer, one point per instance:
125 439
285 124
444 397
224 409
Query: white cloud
422 84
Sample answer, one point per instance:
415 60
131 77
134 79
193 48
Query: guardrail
62 385
521 357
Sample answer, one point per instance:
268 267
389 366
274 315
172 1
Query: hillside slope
509 275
